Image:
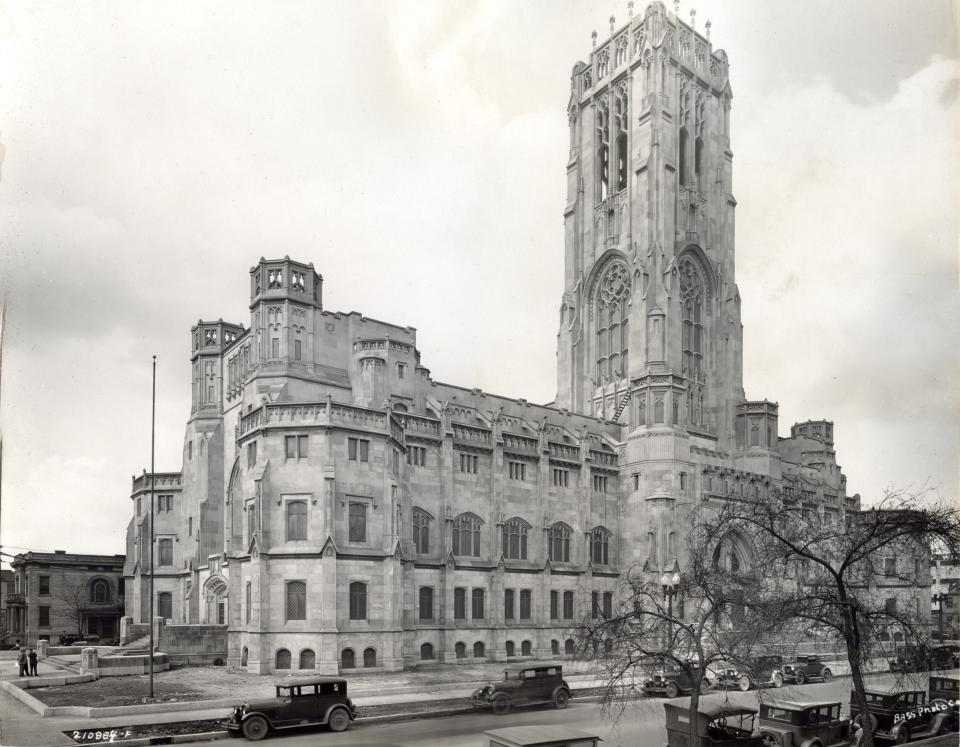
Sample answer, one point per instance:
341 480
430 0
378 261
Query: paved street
640 723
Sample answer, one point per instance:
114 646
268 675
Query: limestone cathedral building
339 508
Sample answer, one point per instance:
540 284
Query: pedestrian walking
32 656
22 662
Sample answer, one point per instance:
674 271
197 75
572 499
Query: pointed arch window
613 295
693 294
100 592
558 543
515 539
466 535
600 546
603 151
421 530
622 121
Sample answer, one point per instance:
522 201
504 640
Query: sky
415 152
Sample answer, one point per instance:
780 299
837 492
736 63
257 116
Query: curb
384 719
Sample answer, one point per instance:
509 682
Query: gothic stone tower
650 333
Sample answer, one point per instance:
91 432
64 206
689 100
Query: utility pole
153 418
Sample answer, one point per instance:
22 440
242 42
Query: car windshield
875 698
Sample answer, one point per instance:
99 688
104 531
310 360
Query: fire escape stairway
621 407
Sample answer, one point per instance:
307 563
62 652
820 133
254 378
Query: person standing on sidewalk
22 662
32 656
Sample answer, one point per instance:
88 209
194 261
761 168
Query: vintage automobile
762 670
320 700
942 692
523 686
803 724
672 681
719 724
540 736
945 657
806 669
902 715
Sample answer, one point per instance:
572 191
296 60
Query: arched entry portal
215 596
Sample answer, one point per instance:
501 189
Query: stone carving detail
614 285
621 50
603 63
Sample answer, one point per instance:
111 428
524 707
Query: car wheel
560 698
339 720
501 704
744 682
771 739
903 736
255 728
777 679
801 678
826 674
672 690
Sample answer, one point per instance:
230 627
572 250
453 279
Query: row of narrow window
349 659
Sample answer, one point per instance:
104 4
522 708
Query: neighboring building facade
338 508
61 593
6 587
945 596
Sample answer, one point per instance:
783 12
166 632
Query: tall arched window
511 649
426 602
623 126
100 591
559 543
297 600
526 649
613 295
568 646
693 294
478 650
699 164
515 539
358 601
165 605
461 650
426 652
296 520
369 658
421 530
348 659
683 139
466 535
600 546
308 659
283 659
248 600
603 150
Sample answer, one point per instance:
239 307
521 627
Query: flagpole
153 417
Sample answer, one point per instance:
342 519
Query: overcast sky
415 152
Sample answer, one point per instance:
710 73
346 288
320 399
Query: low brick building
61 593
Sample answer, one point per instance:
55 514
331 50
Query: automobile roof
796 705
711 708
893 689
309 681
540 734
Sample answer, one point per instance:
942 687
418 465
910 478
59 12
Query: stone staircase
137 646
67 663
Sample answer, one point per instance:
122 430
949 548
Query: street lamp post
671 587
940 599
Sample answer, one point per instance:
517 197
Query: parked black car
522 686
806 669
674 681
945 657
942 692
902 715
322 700
757 672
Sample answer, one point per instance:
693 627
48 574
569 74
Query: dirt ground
216 683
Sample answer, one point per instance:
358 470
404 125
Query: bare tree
835 577
75 596
690 622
